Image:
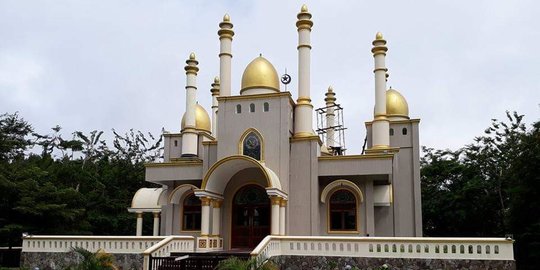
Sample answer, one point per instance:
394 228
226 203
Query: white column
330 116
189 134
274 229
205 216
282 214
216 217
156 224
215 95
225 54
139 224
380 126
303 124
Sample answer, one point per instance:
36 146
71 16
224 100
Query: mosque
255 166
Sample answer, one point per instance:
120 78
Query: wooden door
251 217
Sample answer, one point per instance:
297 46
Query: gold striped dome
260 73
202 120
396 105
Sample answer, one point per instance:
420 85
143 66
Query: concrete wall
322 262
60 260
274 127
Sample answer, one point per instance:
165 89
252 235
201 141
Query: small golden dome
379 35
192 56
260 73
226 17
304 8
216 79
396 104
202 120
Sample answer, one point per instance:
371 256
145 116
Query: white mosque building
254 177
255 166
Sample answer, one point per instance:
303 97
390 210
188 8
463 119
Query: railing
110 244
190 261
164 248
386 247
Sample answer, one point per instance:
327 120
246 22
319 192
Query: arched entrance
250 216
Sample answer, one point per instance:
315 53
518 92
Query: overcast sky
89 65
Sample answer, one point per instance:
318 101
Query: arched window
342 211
191 216
251 107
404 131
251 146
238 108
266 107
391 132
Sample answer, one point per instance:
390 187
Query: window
342 211
175 143
191 218
391 132
251 146
251 107
238 108
266 107
404 131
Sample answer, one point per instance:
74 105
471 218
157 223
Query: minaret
225 54
215 95
330 116
303 123
189 133
381 126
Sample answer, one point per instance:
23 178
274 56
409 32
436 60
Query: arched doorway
250 216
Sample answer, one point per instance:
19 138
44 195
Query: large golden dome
261 74
396 105
202 120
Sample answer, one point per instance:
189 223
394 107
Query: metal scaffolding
337 141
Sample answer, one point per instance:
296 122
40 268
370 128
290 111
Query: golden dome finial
330 89
304 8
226 17
379 36
216 79
192 56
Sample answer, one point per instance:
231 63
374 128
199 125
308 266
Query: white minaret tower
225 55
381 126
303 123
189 133
330 116
215 95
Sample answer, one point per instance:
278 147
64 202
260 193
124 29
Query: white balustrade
110 244
171 244
386 247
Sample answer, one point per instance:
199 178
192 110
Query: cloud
119 64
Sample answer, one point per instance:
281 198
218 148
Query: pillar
330 116
156 224
380 126
216 217
274 229
282 214
189 133
215 95
139 224
303 121
226 34
205 216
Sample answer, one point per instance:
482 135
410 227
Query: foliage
487 188
99 260
50 184
234 263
